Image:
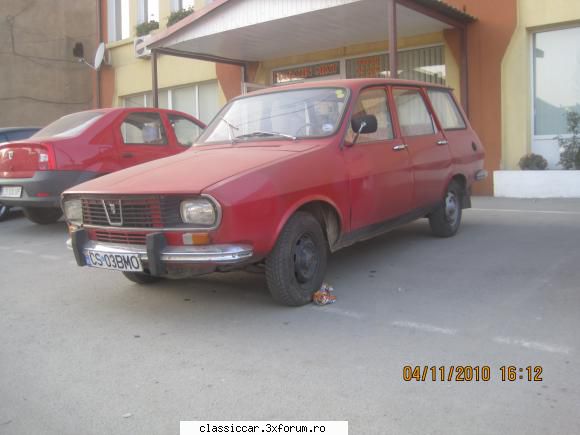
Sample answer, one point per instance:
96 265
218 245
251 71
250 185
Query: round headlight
199 211
73 211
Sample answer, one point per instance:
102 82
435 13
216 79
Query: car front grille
132 212
120 237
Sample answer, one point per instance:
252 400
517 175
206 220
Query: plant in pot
570 146
176 16
146 27
533 162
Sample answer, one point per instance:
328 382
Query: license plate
10 192
123 262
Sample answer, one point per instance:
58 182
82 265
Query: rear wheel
4 211
141 277
296 266
43 216
446 219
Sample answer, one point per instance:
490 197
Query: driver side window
373 102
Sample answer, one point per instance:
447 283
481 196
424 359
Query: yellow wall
516 92
264 73
133 75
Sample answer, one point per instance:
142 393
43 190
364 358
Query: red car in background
85 145
282 176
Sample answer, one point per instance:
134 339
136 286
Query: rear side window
70 125
414 117
446 110
186 131
143 128
373 102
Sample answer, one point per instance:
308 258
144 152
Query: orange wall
487 42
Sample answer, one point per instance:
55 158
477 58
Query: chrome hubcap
451 207
305 259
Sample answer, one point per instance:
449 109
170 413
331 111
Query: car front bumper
157 255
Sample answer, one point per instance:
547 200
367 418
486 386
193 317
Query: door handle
127 155
400 147
442 142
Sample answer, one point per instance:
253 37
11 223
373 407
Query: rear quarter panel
94 150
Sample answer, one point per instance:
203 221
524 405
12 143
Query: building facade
41 80
514 64
187 85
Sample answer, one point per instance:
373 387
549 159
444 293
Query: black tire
4 211
142 278
446 219
296 266
43 216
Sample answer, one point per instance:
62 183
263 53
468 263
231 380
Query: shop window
414 117
556 64
118 20
373 102
143 128
446 110
425 64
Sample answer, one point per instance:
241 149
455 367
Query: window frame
386 90
533 77
178 115
422 92
162 120
454 101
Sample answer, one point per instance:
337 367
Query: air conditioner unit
140 46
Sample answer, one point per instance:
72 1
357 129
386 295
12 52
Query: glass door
556 75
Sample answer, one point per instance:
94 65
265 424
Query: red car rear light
46 161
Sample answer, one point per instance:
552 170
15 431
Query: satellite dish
99 55
78 52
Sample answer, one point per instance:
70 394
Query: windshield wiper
265 134
231 127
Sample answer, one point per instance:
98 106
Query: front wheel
43 216
141 277
446 219
4 211
296 266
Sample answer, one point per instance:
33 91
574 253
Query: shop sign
307 72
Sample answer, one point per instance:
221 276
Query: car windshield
284 115
69 125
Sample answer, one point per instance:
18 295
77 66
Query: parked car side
85 145
283 176
8 134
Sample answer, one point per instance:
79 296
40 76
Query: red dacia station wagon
85 145
280 178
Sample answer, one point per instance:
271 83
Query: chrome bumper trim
201 254
481 175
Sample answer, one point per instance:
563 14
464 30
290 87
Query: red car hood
186 173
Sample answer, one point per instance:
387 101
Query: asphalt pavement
86 351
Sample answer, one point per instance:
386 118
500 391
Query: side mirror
364 124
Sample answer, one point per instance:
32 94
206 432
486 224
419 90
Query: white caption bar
259 427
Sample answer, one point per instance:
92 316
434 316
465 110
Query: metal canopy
242 31
258 30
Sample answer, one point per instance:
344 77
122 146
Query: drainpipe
100 39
